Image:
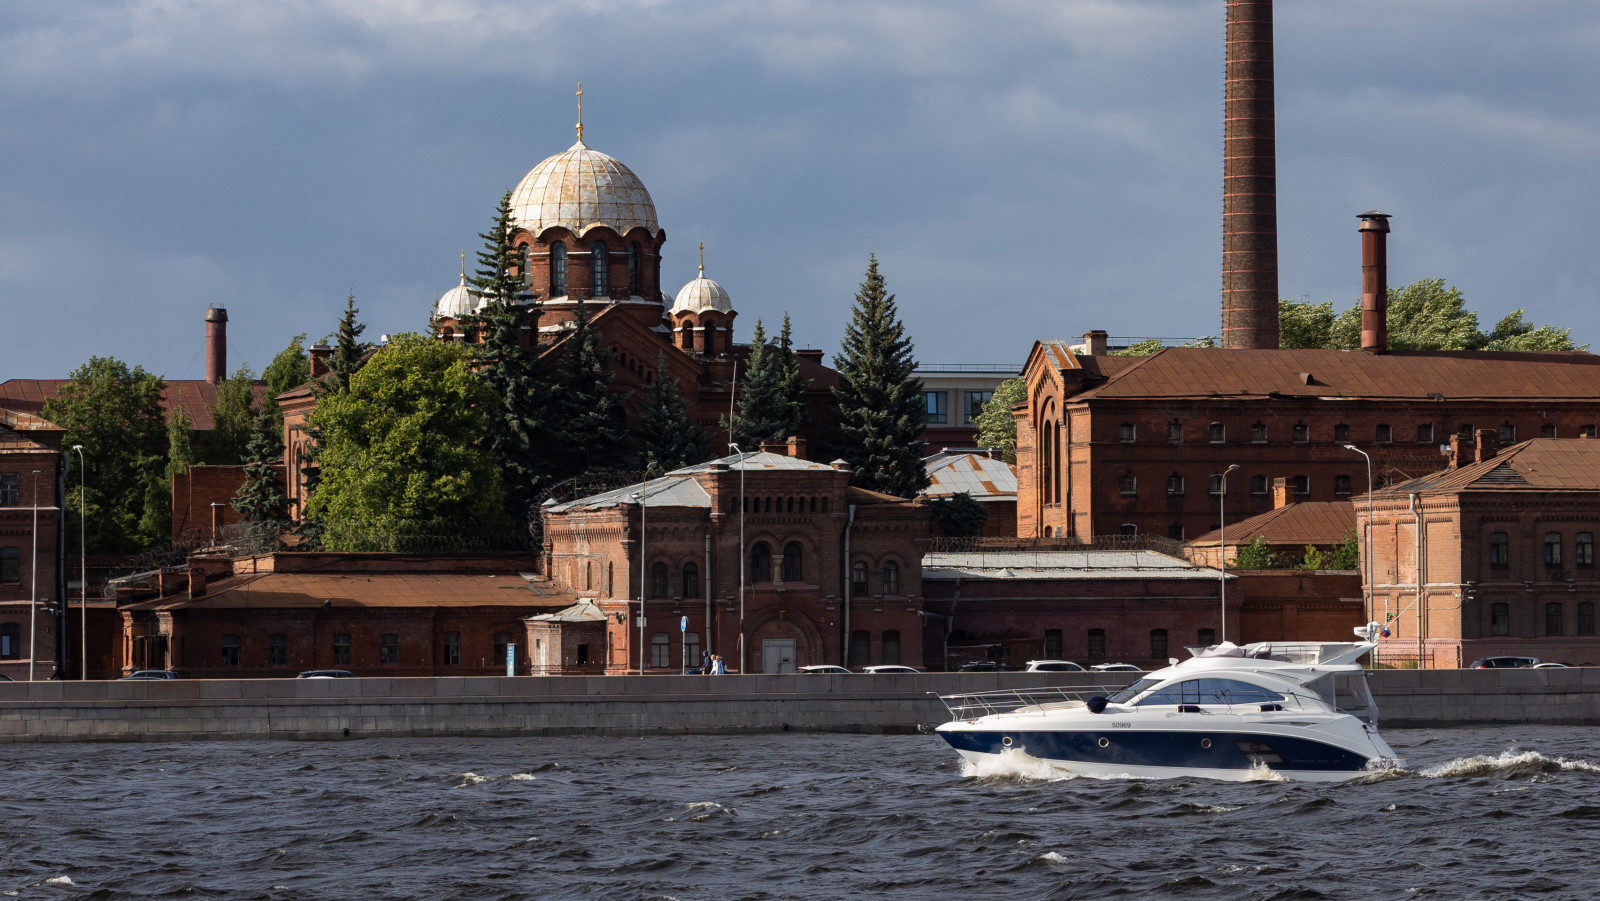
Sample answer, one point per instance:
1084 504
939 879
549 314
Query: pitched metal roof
1451 375
680 488
1306 522
280 590
195 397
1060 564
584 611
977 474
1540 464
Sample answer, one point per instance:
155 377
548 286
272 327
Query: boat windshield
1131 692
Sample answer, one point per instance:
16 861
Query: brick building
1491 555
826 567
982 476
31 575
1286 530
275 615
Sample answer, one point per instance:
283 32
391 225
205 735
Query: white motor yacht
1301 710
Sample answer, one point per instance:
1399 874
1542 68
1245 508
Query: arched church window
558 269
525 263
761 562
599 259
792 556
633 269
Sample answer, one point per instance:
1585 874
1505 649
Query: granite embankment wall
633 705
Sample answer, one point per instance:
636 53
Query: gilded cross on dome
702 258
580 112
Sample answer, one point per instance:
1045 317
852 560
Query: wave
1260 772
1508 764
523 777
461 780
1015 765
700 811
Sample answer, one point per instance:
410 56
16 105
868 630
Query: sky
1022 169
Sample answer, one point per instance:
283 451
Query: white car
888 669
1550 666
826 669
1053 666
1115 668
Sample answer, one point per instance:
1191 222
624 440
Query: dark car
6 678
1503 662
982 666
149 675
326 674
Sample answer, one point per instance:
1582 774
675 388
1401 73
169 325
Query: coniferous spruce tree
766 412
520 431
665 434
881 413
261 498
591 429
348 355
793 383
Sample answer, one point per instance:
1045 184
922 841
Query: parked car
326 674
982 666
149 674
1115 668
1052 666
1551 665
1503 662
825 669
888 669
6 678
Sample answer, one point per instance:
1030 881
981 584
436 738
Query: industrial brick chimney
1375 282
216 344
1249 182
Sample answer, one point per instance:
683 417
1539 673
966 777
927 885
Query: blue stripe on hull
1228 751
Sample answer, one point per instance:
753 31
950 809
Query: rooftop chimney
1375 282
1281 496
319 356
1487 443
1094 343
1461 451
1249 182
796 447
216 344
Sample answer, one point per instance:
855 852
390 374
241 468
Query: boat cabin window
1211 691
1132 691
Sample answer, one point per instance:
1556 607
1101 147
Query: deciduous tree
997 428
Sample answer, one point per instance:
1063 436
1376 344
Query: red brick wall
194 492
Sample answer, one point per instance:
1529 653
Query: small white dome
581 188
458 302
702 294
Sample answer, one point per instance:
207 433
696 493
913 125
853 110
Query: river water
1507 812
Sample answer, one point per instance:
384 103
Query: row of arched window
1095 643
1177 485
1553 549
1555 619
1300 432
1050 459
776 504
861 579
599 269
861 647
763 565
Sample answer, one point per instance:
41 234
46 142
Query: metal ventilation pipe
1375 282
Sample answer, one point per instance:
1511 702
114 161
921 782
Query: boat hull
1164 754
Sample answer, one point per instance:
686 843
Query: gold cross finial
702 258
580 112
463 266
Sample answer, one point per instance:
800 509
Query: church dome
580 189
458 302
701 295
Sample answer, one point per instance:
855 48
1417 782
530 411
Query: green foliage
997 428
261 498
180 441
1346 555
1140 349
233 419
348 350
590 422
959 516
665 434
403 443
494 279
1255 555
767 411
114 411
881 411
290 369
521 430
1424 315
1315 558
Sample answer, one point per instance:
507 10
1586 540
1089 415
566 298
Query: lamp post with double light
1222 545
1368 530
736 450
33 591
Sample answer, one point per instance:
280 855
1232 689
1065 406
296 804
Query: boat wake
1013 765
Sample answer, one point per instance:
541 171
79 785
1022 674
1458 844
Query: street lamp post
644 561
33 592
1368 530
1222 546
83 569
736 450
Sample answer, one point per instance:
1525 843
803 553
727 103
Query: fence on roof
981 545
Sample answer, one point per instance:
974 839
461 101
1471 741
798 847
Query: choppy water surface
1479 813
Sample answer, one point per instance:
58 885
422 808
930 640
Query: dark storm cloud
1022 169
